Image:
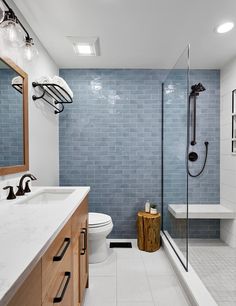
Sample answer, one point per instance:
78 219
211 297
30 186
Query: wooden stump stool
148 226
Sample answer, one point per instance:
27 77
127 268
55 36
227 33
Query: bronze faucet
21 191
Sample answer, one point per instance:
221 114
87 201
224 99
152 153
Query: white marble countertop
26 231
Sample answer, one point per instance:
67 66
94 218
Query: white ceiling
134 33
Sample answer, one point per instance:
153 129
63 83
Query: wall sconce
15 33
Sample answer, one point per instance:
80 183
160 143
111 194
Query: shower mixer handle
193 156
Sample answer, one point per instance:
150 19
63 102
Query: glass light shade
29 51
225 27
12 33
2 12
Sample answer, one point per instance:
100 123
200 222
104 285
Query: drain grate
120 245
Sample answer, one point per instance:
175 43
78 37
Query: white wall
43 123
227 160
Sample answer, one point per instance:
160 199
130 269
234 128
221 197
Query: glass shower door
175 93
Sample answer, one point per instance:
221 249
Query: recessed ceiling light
225 27
85 46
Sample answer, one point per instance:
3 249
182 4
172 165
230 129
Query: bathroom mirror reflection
13 118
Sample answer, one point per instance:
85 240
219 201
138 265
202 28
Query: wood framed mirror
14 134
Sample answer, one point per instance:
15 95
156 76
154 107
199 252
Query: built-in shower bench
201 211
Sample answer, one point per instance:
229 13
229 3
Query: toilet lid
97 220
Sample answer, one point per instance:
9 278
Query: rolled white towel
61 82
17 80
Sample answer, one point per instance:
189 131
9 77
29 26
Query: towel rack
18 87
54 95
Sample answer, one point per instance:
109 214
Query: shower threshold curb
193 286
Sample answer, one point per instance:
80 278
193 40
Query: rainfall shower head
196 89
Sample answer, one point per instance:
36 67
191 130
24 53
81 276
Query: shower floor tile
215 263
130 277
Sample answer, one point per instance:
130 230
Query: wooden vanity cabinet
61 275
80 251
30 292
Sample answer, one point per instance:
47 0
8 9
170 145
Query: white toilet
99 227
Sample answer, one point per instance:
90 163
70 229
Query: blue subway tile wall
198 228
208 129
11 121
110 139
205 188
174 148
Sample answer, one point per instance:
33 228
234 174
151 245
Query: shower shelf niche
233 140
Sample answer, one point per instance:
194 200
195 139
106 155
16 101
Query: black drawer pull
85 238
62 250
62 291
84 232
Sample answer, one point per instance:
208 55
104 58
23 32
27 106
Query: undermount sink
49 196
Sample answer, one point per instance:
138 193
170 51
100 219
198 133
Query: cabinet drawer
59 291
53 259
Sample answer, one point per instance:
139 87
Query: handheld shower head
196 89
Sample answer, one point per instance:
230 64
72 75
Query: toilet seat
97 220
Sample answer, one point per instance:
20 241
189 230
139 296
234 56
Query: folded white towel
44 80
17 80
61 82
58 81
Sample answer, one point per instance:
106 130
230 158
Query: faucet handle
11 194
27 189
20 191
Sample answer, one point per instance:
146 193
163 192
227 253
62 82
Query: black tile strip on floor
120 245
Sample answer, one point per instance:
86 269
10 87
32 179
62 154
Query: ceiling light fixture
2 12
12 32
224 27
85 46
15 33
29 50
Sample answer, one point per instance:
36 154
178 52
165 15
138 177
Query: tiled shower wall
228 160
205 188
110 139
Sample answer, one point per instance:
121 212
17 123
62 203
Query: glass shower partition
175 93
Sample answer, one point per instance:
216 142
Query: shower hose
204 164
